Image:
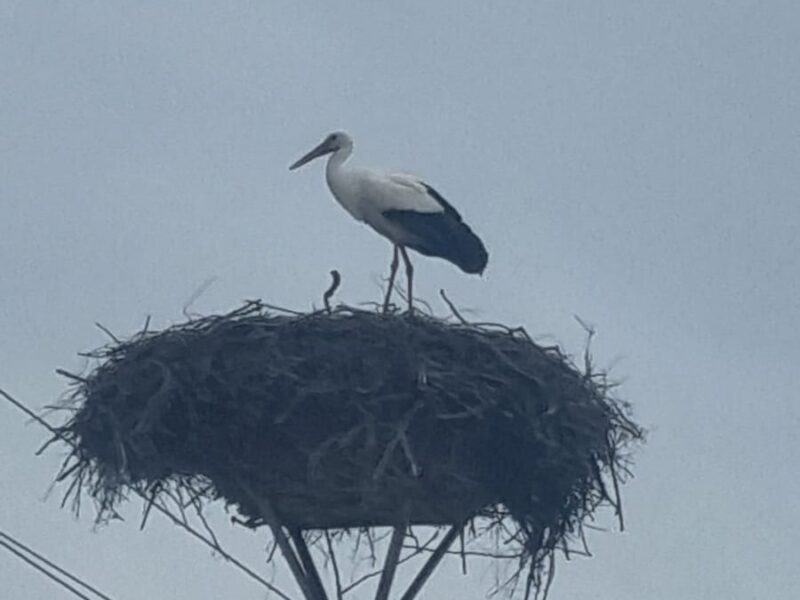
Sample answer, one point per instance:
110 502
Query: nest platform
351 419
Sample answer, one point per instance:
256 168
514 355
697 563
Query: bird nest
352 419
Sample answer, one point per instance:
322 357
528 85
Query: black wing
443 234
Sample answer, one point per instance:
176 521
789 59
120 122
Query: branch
326 297
452 308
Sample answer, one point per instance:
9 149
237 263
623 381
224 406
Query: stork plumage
402 208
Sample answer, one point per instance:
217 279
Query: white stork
402 208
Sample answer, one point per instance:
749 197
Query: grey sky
636 163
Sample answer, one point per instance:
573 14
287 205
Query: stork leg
392 273
410 278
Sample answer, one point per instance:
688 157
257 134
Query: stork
402 208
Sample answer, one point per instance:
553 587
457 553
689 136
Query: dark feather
448 208
443 235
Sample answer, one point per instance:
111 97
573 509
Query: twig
354 584
199 511
371 544
146 513
108 333
551 573
452 308
402 427
587 356
477 553
34 416
271 550
336 577
289 311
201 289
462 552
71 376
326 297
617 495
530 580
416 471
425 547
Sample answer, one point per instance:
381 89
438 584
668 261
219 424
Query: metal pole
268 513
390 564
433 561
308 563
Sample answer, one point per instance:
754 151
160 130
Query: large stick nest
351 419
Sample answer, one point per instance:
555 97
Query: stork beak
321 150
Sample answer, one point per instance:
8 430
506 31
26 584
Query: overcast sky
635 163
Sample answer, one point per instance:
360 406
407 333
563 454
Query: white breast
346 189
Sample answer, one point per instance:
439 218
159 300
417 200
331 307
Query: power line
177 521
44 571
216 548
6 539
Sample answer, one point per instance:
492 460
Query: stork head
333 142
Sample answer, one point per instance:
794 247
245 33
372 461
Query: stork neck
337 159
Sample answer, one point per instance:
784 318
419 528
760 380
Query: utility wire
177 521
44 571
5 539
